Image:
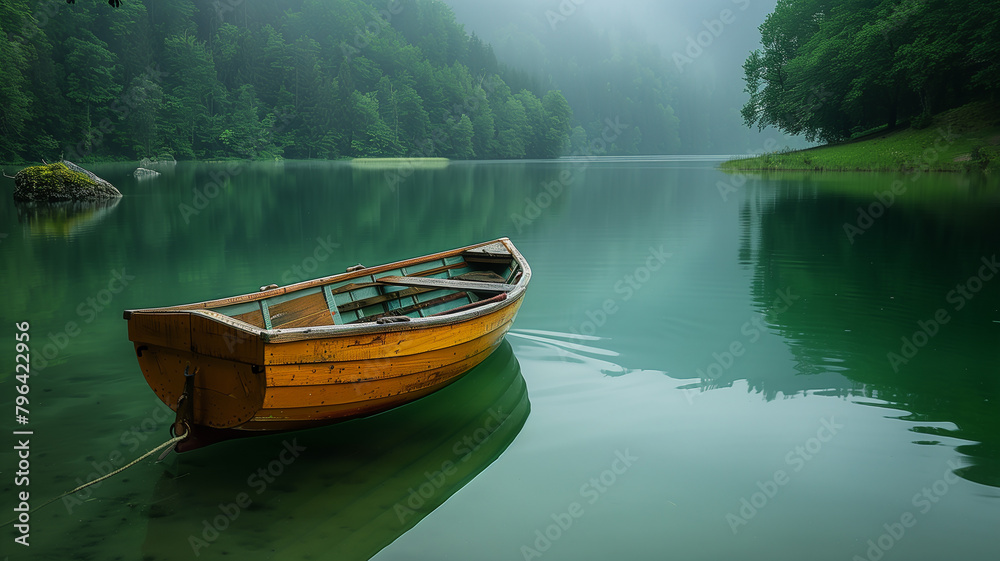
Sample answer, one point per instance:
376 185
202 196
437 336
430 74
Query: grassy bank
962 139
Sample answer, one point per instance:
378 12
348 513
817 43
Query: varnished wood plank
337 394
255 318
305 311
481 276
220 340
451 284
345 372
386 342
168 330
227 394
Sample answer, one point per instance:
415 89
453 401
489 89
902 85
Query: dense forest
835 69
293 78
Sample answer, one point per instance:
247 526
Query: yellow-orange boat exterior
334 348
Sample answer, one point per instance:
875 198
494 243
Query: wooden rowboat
329 349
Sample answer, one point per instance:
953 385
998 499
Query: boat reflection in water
340 492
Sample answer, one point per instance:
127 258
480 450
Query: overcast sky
666 23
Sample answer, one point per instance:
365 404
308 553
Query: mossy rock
61 181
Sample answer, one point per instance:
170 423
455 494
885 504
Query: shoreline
961 140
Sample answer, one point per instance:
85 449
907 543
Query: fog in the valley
583 47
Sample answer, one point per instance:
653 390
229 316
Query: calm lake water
706 366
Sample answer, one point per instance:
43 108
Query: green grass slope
963 139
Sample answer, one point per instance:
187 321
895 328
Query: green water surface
706 366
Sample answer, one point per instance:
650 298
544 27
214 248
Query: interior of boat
422 289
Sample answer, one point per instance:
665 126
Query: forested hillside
832 69
233 78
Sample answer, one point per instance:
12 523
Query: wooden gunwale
282 335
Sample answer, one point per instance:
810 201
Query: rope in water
170 442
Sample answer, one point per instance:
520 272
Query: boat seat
448 284
481 276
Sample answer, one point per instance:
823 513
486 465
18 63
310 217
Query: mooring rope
170 442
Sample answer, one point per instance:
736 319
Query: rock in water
61 181
144 173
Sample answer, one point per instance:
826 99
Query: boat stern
227 383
